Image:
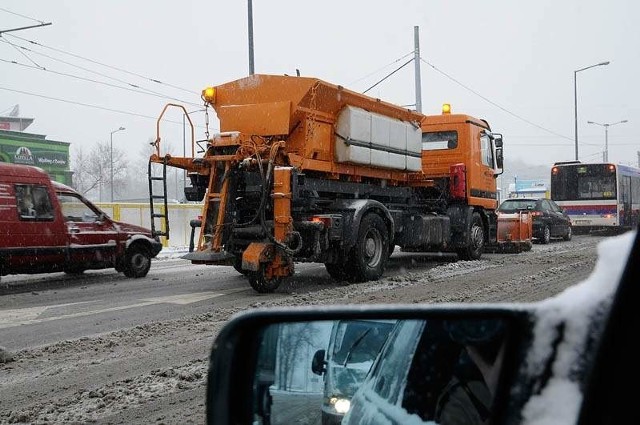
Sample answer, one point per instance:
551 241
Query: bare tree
293 341
82 181
92 172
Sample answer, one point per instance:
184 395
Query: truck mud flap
208 257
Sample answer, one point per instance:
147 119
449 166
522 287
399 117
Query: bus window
597 187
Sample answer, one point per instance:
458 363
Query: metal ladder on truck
163 215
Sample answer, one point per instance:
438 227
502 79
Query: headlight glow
342 405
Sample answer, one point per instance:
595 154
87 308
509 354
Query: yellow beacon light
209 95
446 108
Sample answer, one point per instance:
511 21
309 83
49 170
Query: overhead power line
389 75
141 90
88 105
22 16
380 69
105 65
17 48
494 103
77 77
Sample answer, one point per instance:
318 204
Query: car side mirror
260 360
318 363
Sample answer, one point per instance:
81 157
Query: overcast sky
520 56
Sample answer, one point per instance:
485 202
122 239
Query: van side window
33 203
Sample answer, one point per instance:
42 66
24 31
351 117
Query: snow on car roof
574 308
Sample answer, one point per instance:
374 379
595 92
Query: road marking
32 315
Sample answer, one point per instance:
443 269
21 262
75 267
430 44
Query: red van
48 227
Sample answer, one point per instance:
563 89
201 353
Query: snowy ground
156 372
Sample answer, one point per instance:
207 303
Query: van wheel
137 261
475 246
369 255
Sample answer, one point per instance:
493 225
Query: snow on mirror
409 371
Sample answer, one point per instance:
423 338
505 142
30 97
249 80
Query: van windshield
359 341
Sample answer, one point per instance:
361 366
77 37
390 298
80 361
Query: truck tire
475 246
137 261
369 255
261 284
338 272
237 264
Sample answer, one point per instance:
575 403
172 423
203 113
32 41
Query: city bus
597 196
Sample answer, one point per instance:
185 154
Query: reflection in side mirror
318 363
343 367
497 137
499 158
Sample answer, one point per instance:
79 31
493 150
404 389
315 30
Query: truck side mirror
318 364
499 158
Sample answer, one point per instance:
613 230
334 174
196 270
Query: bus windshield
582 182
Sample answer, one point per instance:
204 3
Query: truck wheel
475 247
338 272
137 261
261 284
371 251
237 264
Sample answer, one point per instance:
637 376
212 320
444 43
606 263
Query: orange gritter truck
307 171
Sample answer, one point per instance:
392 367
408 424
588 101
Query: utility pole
605 154
416 61
250 16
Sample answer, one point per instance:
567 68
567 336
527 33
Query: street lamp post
111 158
575 98
605 157
250 28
